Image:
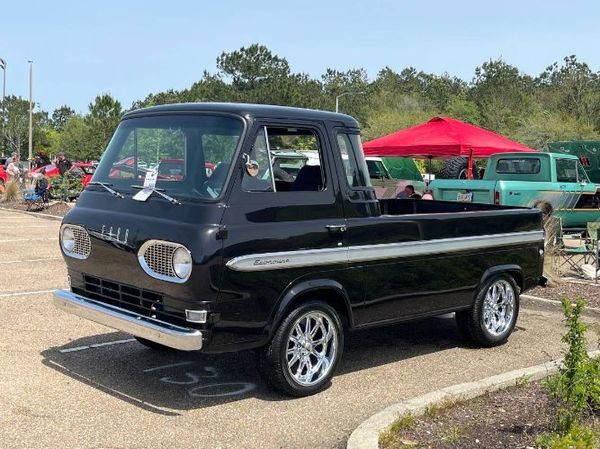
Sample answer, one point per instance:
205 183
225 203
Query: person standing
13 167
63 163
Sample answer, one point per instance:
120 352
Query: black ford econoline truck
188 237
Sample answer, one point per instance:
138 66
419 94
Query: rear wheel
305 350
494 314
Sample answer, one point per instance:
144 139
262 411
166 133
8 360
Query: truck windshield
190 154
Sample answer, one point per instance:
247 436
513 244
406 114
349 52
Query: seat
214 184
569 250
35 199
309 179
593 229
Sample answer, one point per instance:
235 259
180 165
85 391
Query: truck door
568 182
285 225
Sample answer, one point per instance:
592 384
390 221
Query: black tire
456 168
153 345
272 359
472 324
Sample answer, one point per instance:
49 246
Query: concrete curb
33 214
366 435
589 311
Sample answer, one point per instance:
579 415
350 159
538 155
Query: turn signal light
196 316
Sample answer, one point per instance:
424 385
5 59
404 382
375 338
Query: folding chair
568 254
33 199
593 229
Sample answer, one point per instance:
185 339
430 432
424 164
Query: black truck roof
250 111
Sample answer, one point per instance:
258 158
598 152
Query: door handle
336 229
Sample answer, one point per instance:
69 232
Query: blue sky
132 48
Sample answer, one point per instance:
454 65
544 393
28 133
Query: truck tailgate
465 190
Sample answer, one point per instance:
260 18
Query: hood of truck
118 227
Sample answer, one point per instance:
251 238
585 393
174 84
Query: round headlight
67 240
182 263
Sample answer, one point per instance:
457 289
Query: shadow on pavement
166 382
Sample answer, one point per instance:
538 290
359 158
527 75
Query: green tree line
561 103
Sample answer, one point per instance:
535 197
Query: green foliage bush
576 387
66 188
578 437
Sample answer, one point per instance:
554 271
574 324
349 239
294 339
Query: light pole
337 99
30 158
3 67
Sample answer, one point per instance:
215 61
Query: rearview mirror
251 166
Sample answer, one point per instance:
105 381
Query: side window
581 174
289 160
357 173
566 170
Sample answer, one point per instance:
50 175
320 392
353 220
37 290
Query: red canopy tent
442 137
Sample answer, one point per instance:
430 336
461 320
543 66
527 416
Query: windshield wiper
107 187
160 192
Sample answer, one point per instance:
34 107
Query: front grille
144 302
156 259
83 245
159 257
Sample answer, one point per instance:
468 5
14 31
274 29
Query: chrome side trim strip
178 337
368 253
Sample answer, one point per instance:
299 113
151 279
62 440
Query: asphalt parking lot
70 383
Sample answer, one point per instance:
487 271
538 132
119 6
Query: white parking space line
29 240
173 365
37 292
6 262
36 226
97 345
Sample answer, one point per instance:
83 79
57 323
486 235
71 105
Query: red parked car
3 177
83 170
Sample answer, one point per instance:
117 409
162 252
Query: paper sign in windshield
150 179
149 184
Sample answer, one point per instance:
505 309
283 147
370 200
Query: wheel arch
329 291
513 270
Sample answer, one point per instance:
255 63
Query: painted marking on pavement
173 365
29 240
97 345
6 262
36 292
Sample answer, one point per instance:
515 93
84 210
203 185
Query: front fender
337 296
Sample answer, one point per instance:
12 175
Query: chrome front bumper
178 337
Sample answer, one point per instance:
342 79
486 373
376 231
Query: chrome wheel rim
498 307
312 348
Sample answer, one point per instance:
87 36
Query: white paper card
142 195
150 179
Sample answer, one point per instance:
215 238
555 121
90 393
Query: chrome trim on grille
83 244
178 337
156 259
368 253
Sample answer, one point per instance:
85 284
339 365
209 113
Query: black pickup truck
239 258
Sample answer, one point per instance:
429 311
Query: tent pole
470 165
428 172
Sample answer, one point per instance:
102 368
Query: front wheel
494 314
305 350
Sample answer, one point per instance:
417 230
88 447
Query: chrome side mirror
252 166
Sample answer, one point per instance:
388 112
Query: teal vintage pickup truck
556 183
